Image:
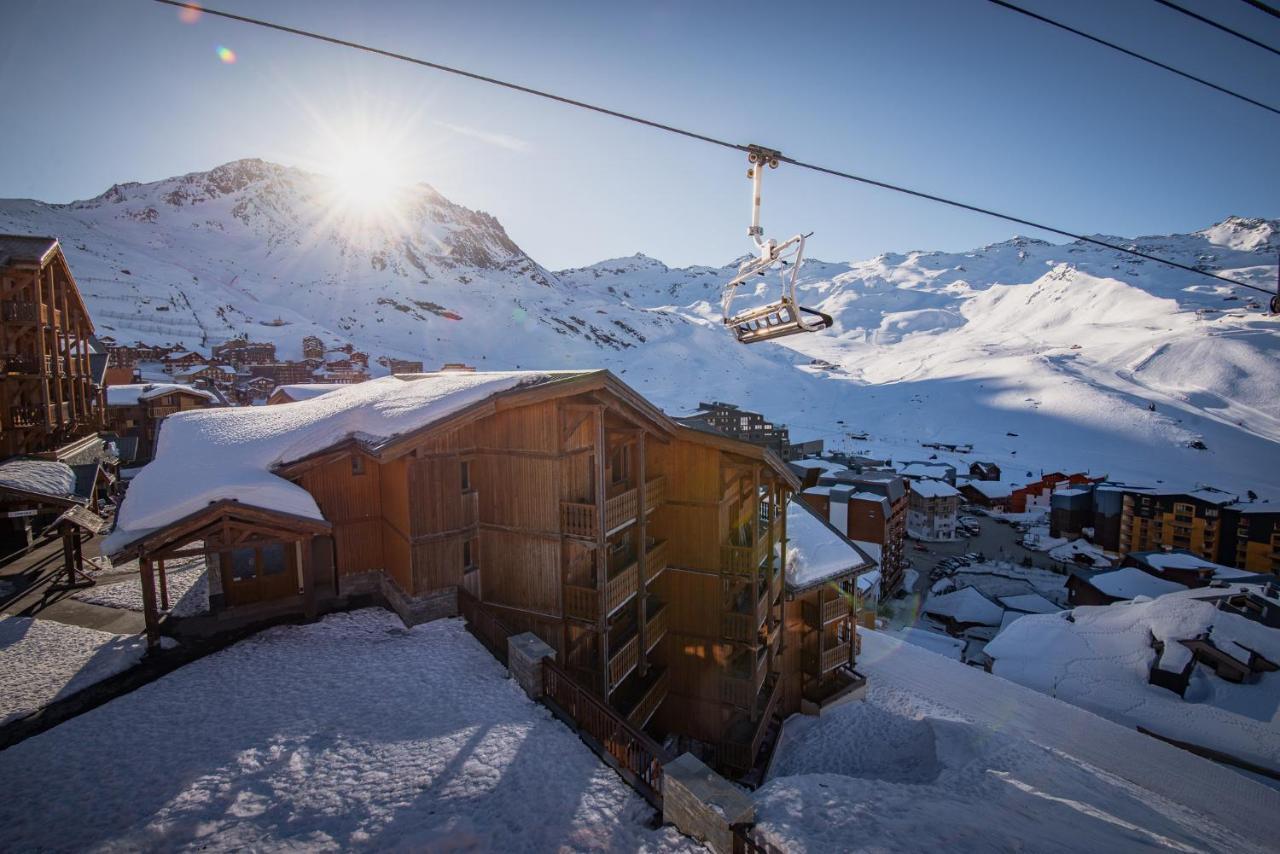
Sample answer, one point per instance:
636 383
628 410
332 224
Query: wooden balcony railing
15 311
583 603
655 628
484 623
741 691
655 560
652 699
638 758
623 661
470 508
834 609
655 493
578 519
26 416
740 752
737 626
744 560
831 658
20 363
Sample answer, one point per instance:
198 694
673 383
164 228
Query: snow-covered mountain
1065 346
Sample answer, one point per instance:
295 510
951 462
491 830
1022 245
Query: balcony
745 737
655 560
623 661
624 638
830 659
741 681
745 558
833 686
16 311
579 519
642 695
26 416
750 608
655 493
655 627
583 603
22 363
835 609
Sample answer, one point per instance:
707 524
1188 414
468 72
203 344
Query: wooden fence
484 624
635 756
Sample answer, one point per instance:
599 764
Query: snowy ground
350 733
188 589
42 661
944 757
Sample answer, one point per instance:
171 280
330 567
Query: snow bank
816 552
941 756
1101 660
43 477
207 455
186 578
42 661
935 642
353 733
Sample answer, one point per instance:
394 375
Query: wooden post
602 550
68 552
64 335
40 353
642 527
308 579
149 614
164 586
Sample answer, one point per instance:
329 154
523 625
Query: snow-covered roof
933 489
1031 603
871 550
136 393
818 490
204 456
41 477
173 357
1008 618
816 552
940 644
994 488
1162 561
306 391
966 605
934 470
868 580
820 464
1130 582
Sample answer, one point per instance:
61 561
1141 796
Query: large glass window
243 564
273 560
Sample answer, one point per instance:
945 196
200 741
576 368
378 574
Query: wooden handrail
637 757
623 661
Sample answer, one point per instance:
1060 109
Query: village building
402 366
1190 520
963 610
641 551
822 607
249 391
872 508
994 495
1183 567
48 391
312 348
219 376
741 424
183 361
928 470
241 352
139 410
301 391
282 373
41 497
1119 585
1251 536
981 470
932 510
1070 512
802 444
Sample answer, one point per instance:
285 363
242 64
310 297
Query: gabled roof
25 249
247 453
817 552
135 393
40 480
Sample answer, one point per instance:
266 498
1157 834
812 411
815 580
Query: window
243 564
470 554
357 464
620 464
273 562
464 469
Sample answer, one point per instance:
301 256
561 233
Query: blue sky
957 97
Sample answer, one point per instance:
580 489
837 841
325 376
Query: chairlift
784 316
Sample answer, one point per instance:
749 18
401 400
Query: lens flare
227 55
190 13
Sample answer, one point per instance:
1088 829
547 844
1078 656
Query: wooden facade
641 551
142 415
47 393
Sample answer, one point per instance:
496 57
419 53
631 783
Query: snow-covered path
351 733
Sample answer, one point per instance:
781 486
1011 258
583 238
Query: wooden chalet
564 504
139 409
47 391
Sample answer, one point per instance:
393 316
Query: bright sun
366 179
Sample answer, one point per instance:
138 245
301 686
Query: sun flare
366 179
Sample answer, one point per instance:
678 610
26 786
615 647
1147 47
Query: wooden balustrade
578 520
834 657
762 606
25 416
639 716
638 758
737 692
655 628
622 587
738 560
22 363
655 561
834 609
623 661
484 623
17 311
736 626
621 510
655 493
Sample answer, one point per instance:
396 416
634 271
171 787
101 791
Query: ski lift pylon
784 316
